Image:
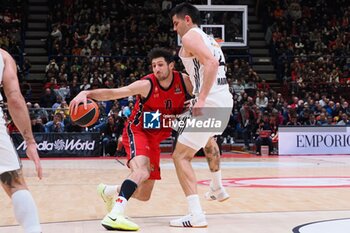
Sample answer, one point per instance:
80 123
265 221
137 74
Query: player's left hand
80 98
187 104
32 154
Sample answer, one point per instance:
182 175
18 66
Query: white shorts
221 101
9 160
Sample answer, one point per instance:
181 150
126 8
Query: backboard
227 23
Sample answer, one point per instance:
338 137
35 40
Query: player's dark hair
161 52
184 9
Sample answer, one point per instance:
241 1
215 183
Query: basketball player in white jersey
10 167
205 63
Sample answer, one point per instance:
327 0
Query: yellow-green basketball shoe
118 222
109 201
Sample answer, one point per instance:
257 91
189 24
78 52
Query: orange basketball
86 117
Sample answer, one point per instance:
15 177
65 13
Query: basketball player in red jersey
162 92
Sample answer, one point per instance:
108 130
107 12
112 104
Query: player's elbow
15 100
212 63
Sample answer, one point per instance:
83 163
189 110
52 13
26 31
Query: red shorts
137 142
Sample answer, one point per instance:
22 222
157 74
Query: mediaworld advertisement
62 144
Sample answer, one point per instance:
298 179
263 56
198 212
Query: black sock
127 189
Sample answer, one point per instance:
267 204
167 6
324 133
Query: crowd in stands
105 45
309 41
11 26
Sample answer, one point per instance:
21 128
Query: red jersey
169 101
144 129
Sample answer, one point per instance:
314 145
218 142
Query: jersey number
168 104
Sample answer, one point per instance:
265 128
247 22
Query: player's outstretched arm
141 87
18 109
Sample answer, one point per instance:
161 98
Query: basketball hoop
219 41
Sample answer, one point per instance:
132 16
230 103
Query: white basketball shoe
190 220
219 194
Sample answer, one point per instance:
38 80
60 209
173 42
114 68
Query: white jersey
9 160
196 69
219 96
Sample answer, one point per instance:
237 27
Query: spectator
264 133
57 103
56 34
293 120
74 89
247 123
344 120
56 125
312 120
261 101
40 113
52 84
63 109
263 86
330 121
11 127
86 51
48 99
26 68
322 118
63 91
37 126
85 85
110 135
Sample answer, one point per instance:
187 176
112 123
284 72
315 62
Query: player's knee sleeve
8 178
127 189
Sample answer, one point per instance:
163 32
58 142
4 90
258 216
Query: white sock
119 206
111 190
26 212
216 181
194 204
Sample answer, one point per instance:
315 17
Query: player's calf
12 181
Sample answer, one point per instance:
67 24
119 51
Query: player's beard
163 76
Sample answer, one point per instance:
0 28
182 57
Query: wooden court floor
268 195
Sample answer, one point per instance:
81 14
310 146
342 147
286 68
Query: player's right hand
80 98
32 154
